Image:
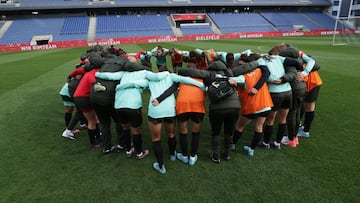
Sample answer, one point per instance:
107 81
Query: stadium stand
132 25
292 2
73 28
278 2
110 26
29 28
285 21
71 4
61 29
278 21
320 2
325 21
75 25
196 29
212 2
52 3
104 19
241 22
141 2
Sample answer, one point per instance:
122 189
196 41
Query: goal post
347 26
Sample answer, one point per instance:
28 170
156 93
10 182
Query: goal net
347 25
347 31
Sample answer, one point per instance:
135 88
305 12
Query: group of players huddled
107 85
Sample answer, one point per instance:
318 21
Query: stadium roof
17 5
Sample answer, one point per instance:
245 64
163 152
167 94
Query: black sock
195 139
236 136
309 117
127 139
158 153
183 143
267 133
92 135
98 135
82 119
256 139
119 133
215 145
98 131
281 131
67 118
172 145
137 143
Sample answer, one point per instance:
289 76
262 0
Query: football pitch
38 165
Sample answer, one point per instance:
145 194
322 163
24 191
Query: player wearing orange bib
313 83
177 57
256 102
190 99
190 106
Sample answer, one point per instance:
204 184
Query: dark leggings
217 118
78 116
105 114
293 117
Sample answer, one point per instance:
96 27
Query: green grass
38 165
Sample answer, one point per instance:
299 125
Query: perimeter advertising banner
161 39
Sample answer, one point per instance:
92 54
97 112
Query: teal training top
65 90
277 70
158 83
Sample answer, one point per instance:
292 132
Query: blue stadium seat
74 28
75 25
22 30
291 3
196 29
63 4
132 25
53 3
324 20
241 22
124 26
285 21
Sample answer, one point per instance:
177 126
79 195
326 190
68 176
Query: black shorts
256 115
282 100
67 98
312 95
167 120
132 116
194 116
83 104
